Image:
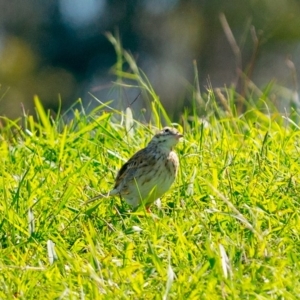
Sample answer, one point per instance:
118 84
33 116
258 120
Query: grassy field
228 229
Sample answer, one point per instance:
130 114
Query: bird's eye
167 130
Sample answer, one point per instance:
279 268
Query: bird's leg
148 209
122 208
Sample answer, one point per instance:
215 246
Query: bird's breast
166 171
172 163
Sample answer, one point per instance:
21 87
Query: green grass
228 229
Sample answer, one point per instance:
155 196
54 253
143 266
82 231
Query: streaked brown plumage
150 172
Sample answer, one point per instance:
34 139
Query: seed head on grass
150 172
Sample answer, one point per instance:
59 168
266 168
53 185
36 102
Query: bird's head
168 137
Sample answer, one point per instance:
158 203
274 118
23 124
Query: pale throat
166 148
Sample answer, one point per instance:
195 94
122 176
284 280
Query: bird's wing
139 160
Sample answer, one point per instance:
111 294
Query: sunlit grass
228 229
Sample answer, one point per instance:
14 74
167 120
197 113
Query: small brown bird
150 172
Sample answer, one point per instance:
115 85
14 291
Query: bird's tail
100 196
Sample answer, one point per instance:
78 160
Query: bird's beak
179 135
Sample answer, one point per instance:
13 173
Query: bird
149 173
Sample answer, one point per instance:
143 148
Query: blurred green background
58 47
